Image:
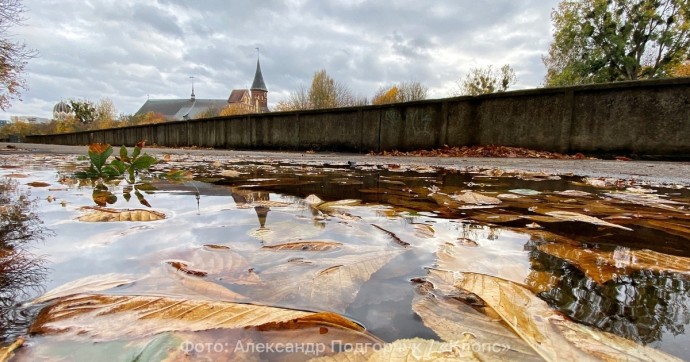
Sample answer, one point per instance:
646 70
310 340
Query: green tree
613 40
486 80
402 92
84 111
13 55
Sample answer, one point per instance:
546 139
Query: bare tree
486 80
14 55
324 92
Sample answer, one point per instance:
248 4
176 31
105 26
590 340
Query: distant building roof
237 94
259 79
181 109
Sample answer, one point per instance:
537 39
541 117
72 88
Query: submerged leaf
102 214
89 284
325 283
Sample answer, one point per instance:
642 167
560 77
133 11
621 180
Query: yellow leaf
453 320
7 352
550 334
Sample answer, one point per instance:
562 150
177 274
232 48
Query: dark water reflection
22 273
650 307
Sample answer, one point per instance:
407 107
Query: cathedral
254 100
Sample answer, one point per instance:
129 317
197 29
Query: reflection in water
638 306
245 198
21 273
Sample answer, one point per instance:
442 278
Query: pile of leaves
482 151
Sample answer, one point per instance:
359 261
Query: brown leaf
101 317
38 184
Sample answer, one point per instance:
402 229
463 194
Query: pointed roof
259 79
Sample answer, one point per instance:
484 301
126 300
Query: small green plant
123 166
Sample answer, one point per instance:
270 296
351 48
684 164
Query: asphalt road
655 172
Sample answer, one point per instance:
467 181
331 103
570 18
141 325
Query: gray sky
127 50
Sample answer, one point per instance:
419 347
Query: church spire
258 77
193 96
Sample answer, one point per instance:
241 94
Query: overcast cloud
129 50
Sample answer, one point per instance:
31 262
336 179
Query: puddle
368 242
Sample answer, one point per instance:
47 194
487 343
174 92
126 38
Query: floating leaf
574 216
306 245
6 353
550 334
102 214
603 266
89 284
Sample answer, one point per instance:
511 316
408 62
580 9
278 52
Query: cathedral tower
259 90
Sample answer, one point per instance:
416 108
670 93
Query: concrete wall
644 118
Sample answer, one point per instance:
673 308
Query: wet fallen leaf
500 260
329 206
6 353
113 317
215 261
230 173
89 284
424 231
306 245
525 192
646 199
453 320
102 214
541 281
603 266
550 334
183 267
38 184
574 216
475 198
324 283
